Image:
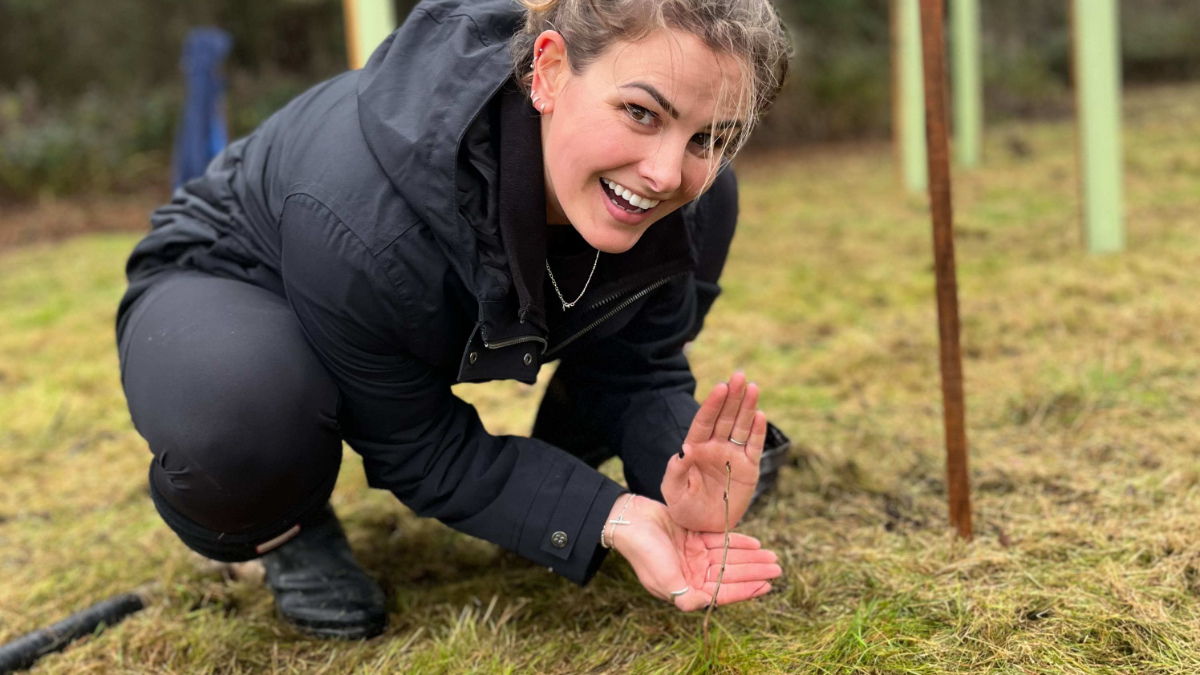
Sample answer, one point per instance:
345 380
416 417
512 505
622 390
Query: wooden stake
933 46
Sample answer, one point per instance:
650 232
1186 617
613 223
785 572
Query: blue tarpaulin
202 132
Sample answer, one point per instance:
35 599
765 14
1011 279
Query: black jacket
380 205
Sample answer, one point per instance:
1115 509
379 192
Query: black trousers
241 416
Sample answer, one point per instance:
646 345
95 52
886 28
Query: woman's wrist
636 518
616 519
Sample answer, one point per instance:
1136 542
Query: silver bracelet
612 532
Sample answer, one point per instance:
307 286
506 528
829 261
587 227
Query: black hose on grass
26 650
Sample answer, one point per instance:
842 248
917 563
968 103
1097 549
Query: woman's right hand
667 557
712 462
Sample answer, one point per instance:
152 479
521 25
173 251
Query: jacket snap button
559 539
473 357
529 359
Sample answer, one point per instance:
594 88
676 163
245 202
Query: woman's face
631 138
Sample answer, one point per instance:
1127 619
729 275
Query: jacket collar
522 202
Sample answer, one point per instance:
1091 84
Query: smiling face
635 135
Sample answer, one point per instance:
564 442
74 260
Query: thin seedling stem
724 555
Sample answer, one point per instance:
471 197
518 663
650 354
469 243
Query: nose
662 169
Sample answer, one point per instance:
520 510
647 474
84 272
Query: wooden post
957 482
1097 69
368 22
908 106
968 81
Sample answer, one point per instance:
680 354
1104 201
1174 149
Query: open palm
667 558
694 483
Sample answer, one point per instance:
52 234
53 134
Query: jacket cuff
566 516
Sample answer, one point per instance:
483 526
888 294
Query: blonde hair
748 30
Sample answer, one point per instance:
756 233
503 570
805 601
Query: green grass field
1085 451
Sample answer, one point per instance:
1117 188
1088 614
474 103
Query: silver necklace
568 305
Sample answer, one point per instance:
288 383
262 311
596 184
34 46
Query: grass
1085 451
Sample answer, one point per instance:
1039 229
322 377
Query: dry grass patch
1082 400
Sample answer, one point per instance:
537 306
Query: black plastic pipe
26 650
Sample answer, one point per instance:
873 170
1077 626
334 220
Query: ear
550 69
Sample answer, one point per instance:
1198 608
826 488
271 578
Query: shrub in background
99 142
90 91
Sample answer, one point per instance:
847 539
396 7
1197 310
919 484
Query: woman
385 235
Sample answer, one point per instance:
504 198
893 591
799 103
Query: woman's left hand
694 483
668 558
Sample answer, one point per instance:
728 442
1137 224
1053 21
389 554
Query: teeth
631 196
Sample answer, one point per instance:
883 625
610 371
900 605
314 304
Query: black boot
318 586
774 456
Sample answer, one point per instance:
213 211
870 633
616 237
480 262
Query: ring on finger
742 443
676 594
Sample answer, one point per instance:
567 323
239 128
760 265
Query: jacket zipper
604 301
614 311
515 341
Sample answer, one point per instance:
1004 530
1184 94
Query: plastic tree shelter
368 22
1095 42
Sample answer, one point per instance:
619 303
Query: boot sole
334 631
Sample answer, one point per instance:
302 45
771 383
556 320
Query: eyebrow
666 105
656 95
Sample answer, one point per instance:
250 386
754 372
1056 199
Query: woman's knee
716 222
239 461
718 212
238 411
560 423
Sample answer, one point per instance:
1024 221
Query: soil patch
55 219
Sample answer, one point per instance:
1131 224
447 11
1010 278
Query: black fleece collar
522 201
